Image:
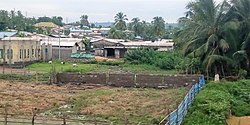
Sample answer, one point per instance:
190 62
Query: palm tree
203 34
84 20
120 19
159 26
136 26
115 34
241 11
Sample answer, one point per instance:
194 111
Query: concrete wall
130 80
46 52
65 53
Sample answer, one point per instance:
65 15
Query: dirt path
239 120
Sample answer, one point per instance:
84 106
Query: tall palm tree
241 11
136 26
84 20
159 26
204 36
120 19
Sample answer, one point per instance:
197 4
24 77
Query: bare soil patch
239 120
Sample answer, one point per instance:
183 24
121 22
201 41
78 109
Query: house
62 46
116 48
19 51
99 45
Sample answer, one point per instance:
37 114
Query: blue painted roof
7 34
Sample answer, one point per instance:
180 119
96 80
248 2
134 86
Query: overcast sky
99 10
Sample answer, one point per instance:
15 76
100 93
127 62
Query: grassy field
100 67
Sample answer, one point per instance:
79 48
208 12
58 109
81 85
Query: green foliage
120 19
215 33
214 102
163 60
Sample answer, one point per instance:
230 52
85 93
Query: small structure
216 78
116 48
66 46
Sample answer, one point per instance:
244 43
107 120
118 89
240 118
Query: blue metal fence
176 117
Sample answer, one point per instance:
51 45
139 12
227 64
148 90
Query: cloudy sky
99 10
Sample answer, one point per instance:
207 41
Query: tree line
138 29
17 21
217 35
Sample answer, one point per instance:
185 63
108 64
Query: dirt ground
138 103
239 120
21 97
99 58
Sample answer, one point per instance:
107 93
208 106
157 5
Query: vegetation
171 60
217 35
17 21
214 102
115 104
84 21
120 23
137 28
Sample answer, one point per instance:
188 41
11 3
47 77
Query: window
9 53
1 53
32 52
20 53
28 53
24 53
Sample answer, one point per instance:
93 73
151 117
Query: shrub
163 60
213 103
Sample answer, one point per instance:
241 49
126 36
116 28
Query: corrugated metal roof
149 43
20 39
68 42
7 34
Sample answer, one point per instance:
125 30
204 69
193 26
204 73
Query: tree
57 20
115 34
136 26
240 10
204 35
84 20
159 26
120 19
4 20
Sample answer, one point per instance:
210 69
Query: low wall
130 80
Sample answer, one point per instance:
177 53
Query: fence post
36 77
125 120
3 68
64 120
5 114
34 112
95 122
135 80
177 114
107 78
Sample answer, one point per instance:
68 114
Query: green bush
163 60
213 103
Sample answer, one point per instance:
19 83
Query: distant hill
103 24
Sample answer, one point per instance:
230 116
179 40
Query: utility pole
59 47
